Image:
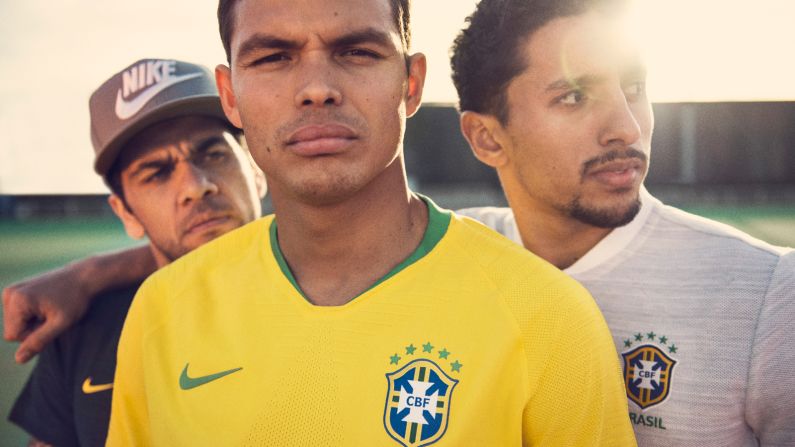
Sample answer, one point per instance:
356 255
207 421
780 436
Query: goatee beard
603 218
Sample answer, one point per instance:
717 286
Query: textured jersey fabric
702 316
66 401
473 342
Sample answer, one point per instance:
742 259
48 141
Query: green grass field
27 248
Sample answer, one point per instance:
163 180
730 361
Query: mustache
613 155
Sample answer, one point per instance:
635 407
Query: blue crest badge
647 375
418 403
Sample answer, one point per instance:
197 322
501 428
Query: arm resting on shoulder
38 309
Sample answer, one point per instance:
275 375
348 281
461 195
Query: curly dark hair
226 23
487 53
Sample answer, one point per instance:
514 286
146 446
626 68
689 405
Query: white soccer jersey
702 316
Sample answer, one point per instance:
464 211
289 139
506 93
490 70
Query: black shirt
66 401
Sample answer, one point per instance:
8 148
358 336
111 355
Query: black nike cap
147 92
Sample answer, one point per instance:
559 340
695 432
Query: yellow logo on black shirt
89 388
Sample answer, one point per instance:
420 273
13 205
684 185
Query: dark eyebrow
567 83
367 35
261 41
156 164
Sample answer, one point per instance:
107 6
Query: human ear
416 83
483 133
223 81
132 225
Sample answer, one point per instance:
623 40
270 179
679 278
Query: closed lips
311 133
203 220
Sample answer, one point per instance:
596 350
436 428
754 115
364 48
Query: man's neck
552 235
560 242
338 251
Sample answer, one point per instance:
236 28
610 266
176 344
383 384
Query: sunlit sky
53 54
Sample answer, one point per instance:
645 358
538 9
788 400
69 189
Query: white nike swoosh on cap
126 109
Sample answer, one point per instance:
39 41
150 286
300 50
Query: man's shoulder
105 316
487 212
499 219
112 301
514 270
224 251
538 297
693 232
197 275
485 245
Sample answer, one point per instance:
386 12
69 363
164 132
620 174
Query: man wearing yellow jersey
360 314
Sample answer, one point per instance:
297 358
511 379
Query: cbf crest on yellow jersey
471 341
418 400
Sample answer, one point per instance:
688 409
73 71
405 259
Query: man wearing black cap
178 175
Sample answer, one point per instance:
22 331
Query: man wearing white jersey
553 97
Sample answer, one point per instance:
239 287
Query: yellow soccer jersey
472 341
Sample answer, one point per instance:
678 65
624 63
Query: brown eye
216 154
159 175
274 58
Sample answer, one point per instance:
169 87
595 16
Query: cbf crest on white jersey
647 375
418 402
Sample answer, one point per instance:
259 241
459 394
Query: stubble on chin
606 216
326 190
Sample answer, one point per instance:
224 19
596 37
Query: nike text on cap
146 92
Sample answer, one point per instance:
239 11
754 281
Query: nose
318 83
195 183
621 125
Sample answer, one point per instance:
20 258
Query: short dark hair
226 23
487 53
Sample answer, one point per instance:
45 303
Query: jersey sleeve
579 398
129 418
770 409
44 408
